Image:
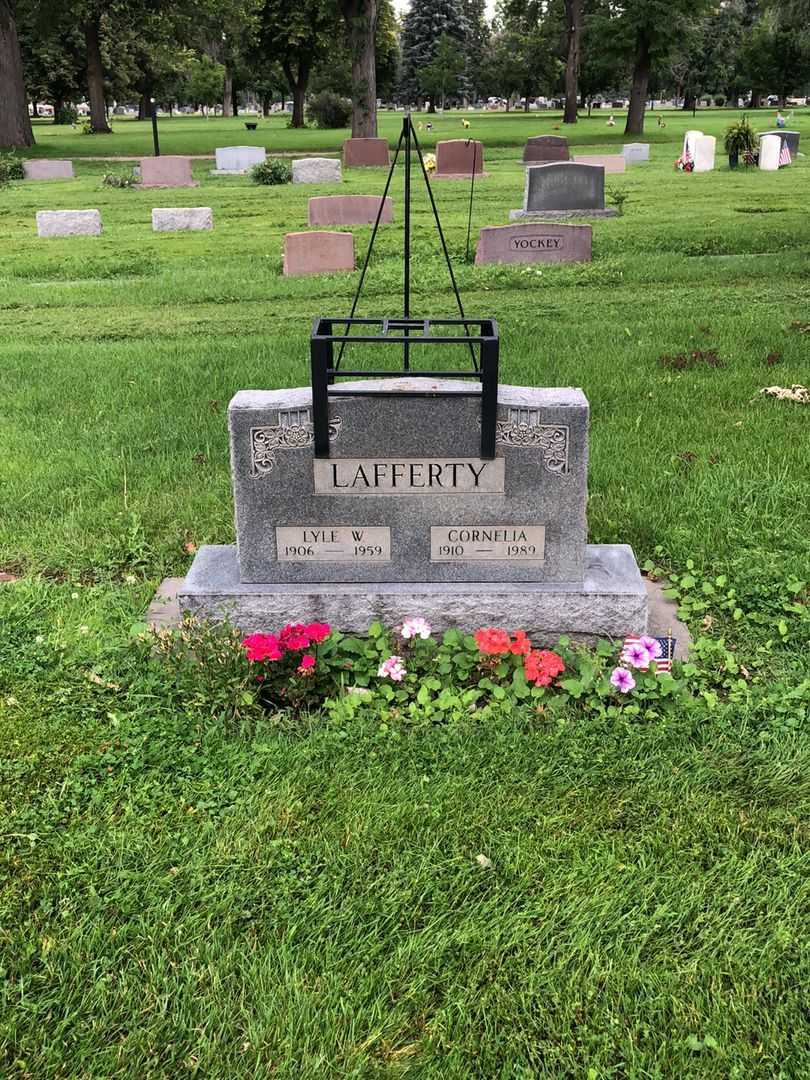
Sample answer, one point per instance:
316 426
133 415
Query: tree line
207 52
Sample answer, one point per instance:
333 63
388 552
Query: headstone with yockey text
533 242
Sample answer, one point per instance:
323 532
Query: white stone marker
316 170
689 142
636 151
237 160
704 153
68 223
178 218
770 147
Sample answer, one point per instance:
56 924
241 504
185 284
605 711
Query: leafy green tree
523 59
204 81
476 46
441 76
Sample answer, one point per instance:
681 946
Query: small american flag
663 663
784 155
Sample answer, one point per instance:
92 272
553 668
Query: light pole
154 127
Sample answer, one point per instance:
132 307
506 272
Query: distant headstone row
55 223
541 149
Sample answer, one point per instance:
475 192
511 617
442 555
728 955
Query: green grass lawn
195 135
192 888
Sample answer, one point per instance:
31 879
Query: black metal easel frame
406 330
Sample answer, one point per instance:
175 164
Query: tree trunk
227 92
58 105
638 93
573 34
689 101
756 99
15 123
95 78
298 86
267 104
360 17
144 107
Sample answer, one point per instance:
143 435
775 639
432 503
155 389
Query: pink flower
417 627
318 631
294 636
652 645
262 647
307 664
636 655
392 668
622 680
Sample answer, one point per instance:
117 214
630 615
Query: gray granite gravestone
563 189
636 151
405 517
789 137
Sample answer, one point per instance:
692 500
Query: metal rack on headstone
404 330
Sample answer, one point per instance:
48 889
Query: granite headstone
316 170
318 252
237 160
540 148
349 210
636 152
182 218
365 153
611 163
52 223
533 242
48 169
563 189
459 158
170 170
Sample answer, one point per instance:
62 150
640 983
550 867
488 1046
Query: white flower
39 640
130 579
417 627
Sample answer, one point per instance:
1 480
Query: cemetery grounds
193 887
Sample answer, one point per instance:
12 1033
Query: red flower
492 641
542 666
262 647
294 636
521 646
318 631
307 664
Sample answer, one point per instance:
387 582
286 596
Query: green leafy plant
11 168
119 180
272 171
329 110
739 138
618 197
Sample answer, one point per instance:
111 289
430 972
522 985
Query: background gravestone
770 147
540 148
564 189
704 153
318 252
182 218
316 170
611 163
48 169
534 243
789 137
170 170
68 223
459 158
238 160
365 153
349 210
635 152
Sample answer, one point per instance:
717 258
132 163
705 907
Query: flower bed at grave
410 672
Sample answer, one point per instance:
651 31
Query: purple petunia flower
652 645
636 655
622 680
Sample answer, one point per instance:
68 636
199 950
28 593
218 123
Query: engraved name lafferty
333 543
466 543
408 476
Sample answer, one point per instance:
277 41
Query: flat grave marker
318 252
533 242
349 210
316 170
365 153
182 218
54 223
48 169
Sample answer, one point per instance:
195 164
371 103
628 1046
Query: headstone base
559 215
610 603
458 176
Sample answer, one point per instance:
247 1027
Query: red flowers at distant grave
295 637
540 666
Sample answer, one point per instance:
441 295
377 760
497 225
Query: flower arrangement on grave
685 163
740 141
410 673
430 163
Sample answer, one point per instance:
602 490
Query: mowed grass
189 894
196 135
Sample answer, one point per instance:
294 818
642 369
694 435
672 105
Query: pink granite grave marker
612 163
318 252
364 153
533 243
349 210
45 169
170 170
542 148
459 158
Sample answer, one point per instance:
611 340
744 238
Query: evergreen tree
476 48
425 23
